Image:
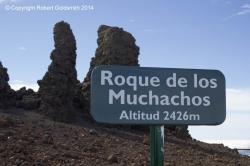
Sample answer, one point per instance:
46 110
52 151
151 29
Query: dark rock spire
57 88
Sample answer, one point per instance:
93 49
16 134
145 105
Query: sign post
156 145
157 96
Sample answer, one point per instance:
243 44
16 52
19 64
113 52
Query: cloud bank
238 99
17 84
239 144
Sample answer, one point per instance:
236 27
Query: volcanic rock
5 122
6 94
27 99
4 78
112 158
115 47
58 86
182 132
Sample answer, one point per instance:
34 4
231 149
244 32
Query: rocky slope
27 138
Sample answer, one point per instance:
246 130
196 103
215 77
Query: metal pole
157 145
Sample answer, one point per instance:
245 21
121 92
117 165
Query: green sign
144 95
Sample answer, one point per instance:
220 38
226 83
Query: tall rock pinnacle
57 88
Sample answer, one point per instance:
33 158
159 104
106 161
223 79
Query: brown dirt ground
27 138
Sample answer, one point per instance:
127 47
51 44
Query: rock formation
5 90
27 99
58 86
4 79
115 47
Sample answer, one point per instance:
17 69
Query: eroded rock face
27 99
22 98
58 86
115 47
4 79
6 93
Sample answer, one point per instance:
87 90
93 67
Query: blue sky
212 34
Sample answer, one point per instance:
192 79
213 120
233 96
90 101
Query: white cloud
246 6
238 99
235 126
131 20
243 12
17 84
245 9
3 1
22 48
239 144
